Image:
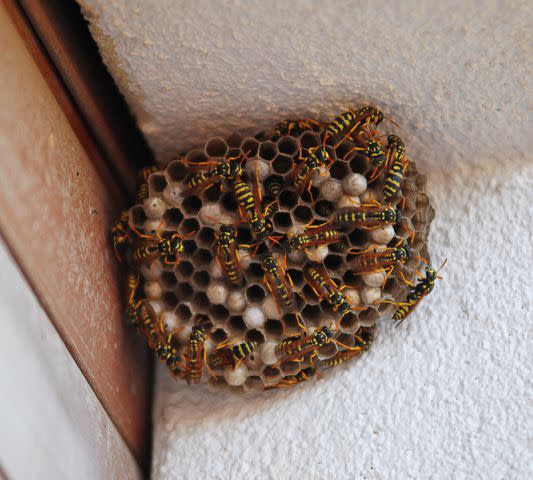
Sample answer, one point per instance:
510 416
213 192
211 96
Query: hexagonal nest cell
263 310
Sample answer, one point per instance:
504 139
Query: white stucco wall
447 395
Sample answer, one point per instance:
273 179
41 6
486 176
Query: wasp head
295 243
198 333
431 274
391 215
327 332
175 244
336 299
131 315
321 155
260 228
270 263
402 253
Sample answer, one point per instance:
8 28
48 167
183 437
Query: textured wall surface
446 395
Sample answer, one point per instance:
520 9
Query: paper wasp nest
194 291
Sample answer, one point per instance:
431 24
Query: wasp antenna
391 120
442 266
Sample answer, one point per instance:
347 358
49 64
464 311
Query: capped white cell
172 194
236 301
270 307
331 190
352 295
211 214
215 270
254 317
296 257
152 226
317 254
348 201
261 166
383 235
217 292
368 197
245 259
154 207
152 289
374 279
268 353
370 294
170 321
354 184
236 377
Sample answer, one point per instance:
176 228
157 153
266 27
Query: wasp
153 330
371 149
423 287
227 255
352 121
165 248
298 347
363 340
370 260
302 376
396 171
278 283
253 211
316 159
229 169
133 279
367 217
294 127
195 355
142 180
325 288
251 208
312 237
225 356
119 235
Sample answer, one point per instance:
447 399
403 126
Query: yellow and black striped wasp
278 283
313 236
154 332
364 338
367 217
324 287
227 255
372 149
142 182
133 279
351 122
166 248
296 348
317 159
119 235
251 208
374 260
423 287
231 355
289 380
294 127
229 170
195 355
396 172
